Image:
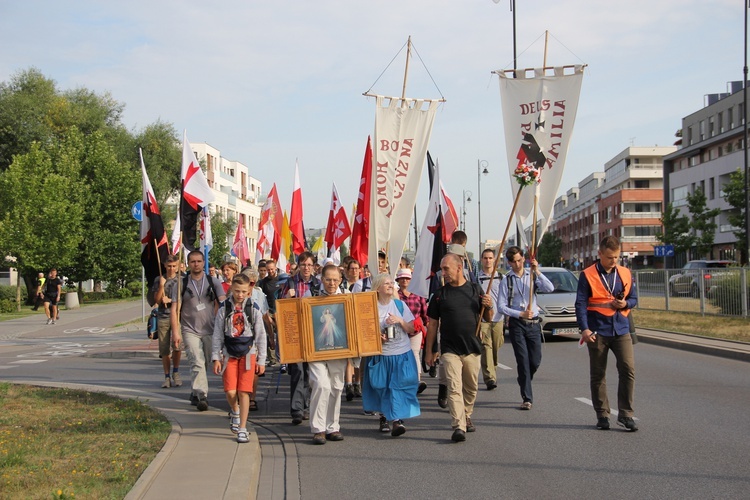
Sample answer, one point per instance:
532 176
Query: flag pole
532 253
499 253
406 72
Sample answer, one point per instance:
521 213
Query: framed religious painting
328 327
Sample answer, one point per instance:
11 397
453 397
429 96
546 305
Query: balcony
640 215
638 239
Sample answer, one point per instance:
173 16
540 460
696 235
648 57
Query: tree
676 230
162 154
702 221
220 230
734 195
41 222
550 250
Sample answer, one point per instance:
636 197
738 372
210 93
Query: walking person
605 297
389 382
52 291
454 309
418 307
238 351
491 331
193 322
163 288
39 297
524 326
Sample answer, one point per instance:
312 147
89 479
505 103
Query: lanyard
521 288
203 283
610 289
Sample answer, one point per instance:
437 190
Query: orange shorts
237 376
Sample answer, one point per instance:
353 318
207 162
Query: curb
149 475
693 343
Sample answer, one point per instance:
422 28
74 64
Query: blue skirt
389 386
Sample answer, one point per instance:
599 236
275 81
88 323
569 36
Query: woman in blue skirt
390 380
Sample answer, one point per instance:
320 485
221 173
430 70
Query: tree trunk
18 292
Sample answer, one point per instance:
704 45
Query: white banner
402 135
538 117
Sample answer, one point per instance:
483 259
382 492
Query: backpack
238 347
152 325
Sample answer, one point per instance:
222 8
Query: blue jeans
526 339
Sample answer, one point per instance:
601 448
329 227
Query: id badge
200 307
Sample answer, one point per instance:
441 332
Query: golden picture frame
328 327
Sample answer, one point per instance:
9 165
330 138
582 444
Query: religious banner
402 135
539 111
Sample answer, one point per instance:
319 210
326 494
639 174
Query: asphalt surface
691 409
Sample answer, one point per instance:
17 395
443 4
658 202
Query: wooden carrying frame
300 325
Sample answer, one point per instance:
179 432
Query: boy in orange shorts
239 337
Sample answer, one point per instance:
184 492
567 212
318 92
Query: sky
269 83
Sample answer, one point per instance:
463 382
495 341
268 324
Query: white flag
538 117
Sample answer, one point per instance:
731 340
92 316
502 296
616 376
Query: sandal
242 436
234 425
253 405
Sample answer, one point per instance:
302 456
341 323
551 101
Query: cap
403 273
457 249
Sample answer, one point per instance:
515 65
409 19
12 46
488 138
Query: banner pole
498 255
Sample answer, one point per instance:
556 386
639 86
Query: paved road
692 411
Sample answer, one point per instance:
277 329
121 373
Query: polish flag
296 224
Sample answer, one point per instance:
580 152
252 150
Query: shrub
728 295
134 287
124 293
9 292
7 306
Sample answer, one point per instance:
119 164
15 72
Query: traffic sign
137 210
664 251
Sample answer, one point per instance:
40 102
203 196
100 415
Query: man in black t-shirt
454 309
52 290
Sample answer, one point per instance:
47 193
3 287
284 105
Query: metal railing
715 291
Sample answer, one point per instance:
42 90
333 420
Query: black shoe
349 392
202 404
282 369
335 436
458 436
296 419
602 423
357 390
443 396
397 428
469 425
384 427
491 385
433 371
421 388
194 400
628 423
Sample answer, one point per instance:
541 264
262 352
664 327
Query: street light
467 198
480 164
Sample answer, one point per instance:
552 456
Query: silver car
557 308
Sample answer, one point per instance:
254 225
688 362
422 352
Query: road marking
5 367
90 329
27 361
591 404
503 367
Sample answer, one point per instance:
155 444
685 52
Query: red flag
240 248
338 229
450 217
361 230
296 226
196 194
153 235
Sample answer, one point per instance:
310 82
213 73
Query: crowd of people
226 320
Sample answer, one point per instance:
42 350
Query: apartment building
625 200
711 148
237 193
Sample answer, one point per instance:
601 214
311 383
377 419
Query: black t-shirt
269 286
50 286
457 308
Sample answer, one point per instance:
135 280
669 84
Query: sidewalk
201 446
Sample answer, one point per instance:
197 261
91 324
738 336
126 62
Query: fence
715 291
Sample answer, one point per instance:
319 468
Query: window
730 118
711 189
679 196
720 121
711 128
642 184
702 132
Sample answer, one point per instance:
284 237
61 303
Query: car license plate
564 331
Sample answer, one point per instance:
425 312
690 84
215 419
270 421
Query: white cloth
326 384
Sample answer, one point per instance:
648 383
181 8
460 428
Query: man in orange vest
603 302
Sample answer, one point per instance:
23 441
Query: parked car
557 308
688 280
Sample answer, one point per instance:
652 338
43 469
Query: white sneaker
53 321
49 321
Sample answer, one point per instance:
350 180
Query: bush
728 295
124 293
134 287
9 292
7 306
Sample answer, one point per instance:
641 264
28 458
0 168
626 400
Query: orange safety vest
600 294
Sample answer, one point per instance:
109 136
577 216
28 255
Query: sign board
137 210
328 327
664 251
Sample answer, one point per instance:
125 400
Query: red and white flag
240 248
361 226
431 249
154 245
296 224
450 217
195 195
337 230
269 229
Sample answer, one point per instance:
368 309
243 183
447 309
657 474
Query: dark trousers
622 347
526 339
299 388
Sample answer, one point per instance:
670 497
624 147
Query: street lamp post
480 164
467 198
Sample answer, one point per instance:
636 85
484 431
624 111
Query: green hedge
9 292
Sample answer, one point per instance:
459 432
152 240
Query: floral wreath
527 174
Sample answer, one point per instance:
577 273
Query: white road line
503 367
588 402
27 361
5 367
